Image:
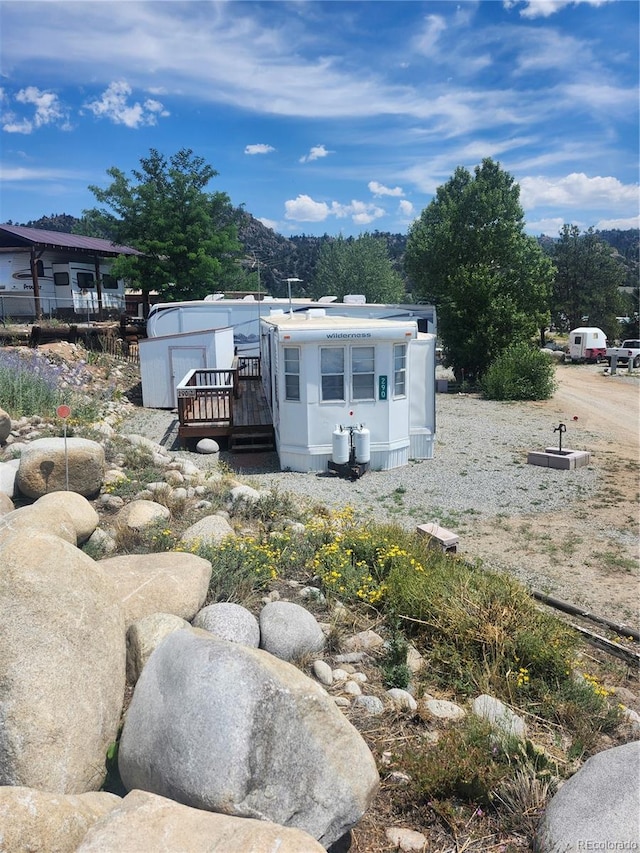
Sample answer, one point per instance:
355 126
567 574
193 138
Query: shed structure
165 361
323 373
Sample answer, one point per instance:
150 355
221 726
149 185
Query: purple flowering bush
32 384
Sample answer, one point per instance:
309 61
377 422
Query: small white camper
587 343
328 378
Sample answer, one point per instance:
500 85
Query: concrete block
537 457
566 461
439 537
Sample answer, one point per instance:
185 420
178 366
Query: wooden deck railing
248 366
206 396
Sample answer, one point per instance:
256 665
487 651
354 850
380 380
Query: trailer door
181 361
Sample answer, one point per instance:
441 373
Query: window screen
291 373
363 373
332 373
399 370
85 279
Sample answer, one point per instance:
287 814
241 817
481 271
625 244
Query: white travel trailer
165 361
69 275
331 380
587 343
171 318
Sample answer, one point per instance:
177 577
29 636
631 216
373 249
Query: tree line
467 253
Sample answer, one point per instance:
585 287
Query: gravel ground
479 467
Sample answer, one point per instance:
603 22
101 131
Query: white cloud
380 189
426 42
361 213
578 190
48 110
114 106
550 227
405 208
622 224
19 174
305 209
316 153
268 223
545 8
259 148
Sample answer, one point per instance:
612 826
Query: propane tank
362 443
340 446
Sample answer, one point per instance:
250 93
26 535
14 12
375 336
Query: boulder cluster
220 740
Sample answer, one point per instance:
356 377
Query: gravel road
479 467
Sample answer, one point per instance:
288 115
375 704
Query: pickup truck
628 350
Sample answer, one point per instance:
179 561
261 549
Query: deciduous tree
586 283
469 255
359 265
188 235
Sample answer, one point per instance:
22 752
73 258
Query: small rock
406 840
322 672
352 688
369 704
207 445
402 699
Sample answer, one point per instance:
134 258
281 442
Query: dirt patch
587 553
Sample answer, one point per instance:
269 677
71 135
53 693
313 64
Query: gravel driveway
479 467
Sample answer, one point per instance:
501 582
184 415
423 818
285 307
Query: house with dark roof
53 274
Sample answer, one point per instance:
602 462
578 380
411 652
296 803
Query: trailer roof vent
316 312
328 299
355 299
214 297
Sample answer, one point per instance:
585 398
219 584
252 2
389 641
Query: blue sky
333 117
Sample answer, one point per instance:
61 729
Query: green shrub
521 372
467 761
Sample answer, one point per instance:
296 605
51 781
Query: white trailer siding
422 398
372 384
65 286
165 361
170 318
587 343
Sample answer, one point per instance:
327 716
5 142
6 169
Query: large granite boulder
289 631
224 727
598 806
147 822
210 530
49 464
84 517
145 635
168 582
229 621
33 821
62 665
32 518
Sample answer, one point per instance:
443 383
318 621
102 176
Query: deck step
254 442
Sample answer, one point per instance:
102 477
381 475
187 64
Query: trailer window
109 282
292 373
61 279
363 373
399 370
332 373
85 279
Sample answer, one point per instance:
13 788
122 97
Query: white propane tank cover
340 446
362 442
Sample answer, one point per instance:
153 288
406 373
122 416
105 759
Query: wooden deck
226 403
